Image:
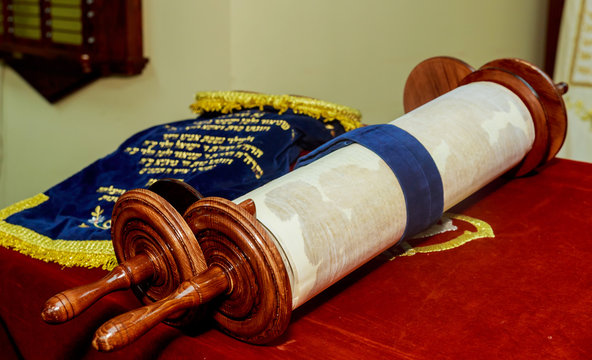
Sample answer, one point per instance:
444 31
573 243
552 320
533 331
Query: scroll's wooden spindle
70 303
126 328
249 205
153 244
242 265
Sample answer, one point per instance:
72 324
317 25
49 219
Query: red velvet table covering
524 294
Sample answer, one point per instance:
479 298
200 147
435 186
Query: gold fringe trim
228 101
484 230
82 253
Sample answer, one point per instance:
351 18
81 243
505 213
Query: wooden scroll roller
257 258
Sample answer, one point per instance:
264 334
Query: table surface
525 293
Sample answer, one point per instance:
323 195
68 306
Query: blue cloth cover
410 162
219 155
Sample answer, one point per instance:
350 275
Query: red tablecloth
524 294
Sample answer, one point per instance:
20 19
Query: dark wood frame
112 44
554 14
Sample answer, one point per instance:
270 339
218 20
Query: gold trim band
83 253
227 101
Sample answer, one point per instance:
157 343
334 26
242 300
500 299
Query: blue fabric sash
411 163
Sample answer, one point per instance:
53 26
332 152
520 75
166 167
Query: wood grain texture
243 265
128 327
145 223
258 305
147 259
249 205
68 304
432 78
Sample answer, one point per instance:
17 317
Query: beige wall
353 52
359 53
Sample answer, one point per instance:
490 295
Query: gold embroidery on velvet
98 220
88 253
484 230
227 101
184 153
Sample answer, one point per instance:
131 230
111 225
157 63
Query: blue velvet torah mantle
224 155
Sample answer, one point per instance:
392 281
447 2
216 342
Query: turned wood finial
561 87
126 328
70 303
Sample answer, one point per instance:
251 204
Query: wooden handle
126 328
70 303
